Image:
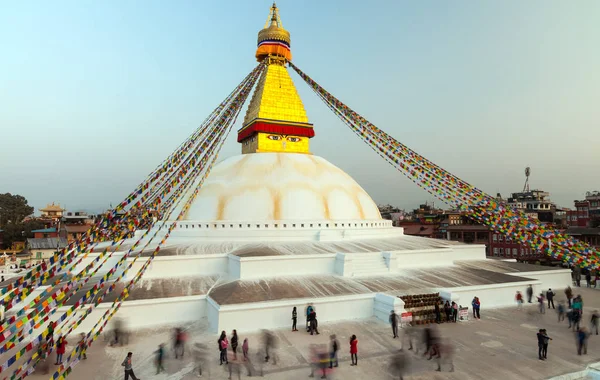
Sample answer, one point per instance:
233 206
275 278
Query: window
514 251
501 251
495 251
302 225
500 238
495 237
522 251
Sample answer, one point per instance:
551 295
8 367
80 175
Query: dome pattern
280 186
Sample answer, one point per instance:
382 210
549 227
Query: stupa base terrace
248 276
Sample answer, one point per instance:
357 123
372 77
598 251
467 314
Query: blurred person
408 335
550 297
117 329
398 365
445 356
82 346
529 293
294 319
333 357
178 344
234 343
313 354
199 352
594 322
61 346
354 350
270 346
43 365
438 314
581 336
588 279
160 355
561 311
234 367
245 349
430 340
223 344
569 295
314 323
519 299
541 304
129 367
394 322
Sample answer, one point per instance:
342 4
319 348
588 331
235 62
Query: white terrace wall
278 314
274 266
555 279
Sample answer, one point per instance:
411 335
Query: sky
95 94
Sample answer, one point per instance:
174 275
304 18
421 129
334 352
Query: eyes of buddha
278 137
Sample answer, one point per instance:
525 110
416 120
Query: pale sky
94 94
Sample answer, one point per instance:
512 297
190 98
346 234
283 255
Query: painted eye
274 137
294 139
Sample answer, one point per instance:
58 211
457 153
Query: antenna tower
527 174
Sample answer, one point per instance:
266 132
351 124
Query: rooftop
47 243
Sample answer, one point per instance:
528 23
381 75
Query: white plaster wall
490 296
384 303
149 313
556 279
274 266
260 315
185 265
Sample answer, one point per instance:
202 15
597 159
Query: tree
20 231
13 208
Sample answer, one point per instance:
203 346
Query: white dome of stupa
280 186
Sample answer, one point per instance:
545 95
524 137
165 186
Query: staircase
368 264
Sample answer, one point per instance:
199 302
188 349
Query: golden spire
276 120
273 39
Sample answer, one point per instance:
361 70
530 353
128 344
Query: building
43 248
535 203
587 211
45 233
73 232
77 217
52 212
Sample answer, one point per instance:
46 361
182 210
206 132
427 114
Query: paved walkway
502 345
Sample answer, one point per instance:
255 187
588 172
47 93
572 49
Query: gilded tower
276 120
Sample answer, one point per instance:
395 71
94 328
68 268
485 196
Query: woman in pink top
223 344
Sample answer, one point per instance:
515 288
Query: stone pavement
502 345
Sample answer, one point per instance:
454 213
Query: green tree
20 231
13 209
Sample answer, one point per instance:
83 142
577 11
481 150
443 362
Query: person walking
294 319
314 324
594 322
519 299
223 344
333 358
354 350
61 346
541 304
82 346
309 310
245 348
394 322
476 306
529 293
438 314
561 311
160 355
588 279
550 297
569 295
234 343
178 343
581 335
128 367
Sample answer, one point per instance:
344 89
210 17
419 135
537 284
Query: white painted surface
556 279
260 315
280 186
276 266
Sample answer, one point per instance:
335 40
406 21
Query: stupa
277 227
